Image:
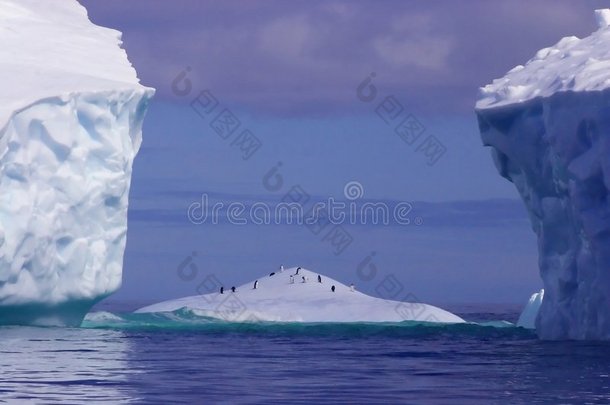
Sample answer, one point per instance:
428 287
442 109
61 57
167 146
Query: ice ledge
572 64
50 48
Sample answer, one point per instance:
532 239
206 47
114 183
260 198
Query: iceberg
71 114
548 125
527 319
285 297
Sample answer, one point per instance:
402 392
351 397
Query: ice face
64 186
555 149
68 137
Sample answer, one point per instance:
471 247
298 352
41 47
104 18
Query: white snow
554 144
527 319
276 299
572 64
71 110
602 17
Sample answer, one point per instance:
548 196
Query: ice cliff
548 126
71 111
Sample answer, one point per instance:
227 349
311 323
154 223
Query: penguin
298 268
281 268
352 288
232 289
291 279
319 278
304 279
256 284
222 290
332 288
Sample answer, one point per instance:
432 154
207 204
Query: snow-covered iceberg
71 112
548 125
284 297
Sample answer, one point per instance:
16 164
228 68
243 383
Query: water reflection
55 364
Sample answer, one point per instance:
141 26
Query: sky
304 58
294 76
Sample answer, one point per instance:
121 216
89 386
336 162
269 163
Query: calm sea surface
178 358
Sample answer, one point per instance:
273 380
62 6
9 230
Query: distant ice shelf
71 112
278 298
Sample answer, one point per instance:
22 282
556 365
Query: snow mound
71 111
572 64
276 298
527 319
102 316
553 144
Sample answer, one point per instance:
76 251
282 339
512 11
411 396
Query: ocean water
180 358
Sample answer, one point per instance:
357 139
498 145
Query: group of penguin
332 288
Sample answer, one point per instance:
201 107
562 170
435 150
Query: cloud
412 42
287 38
418 52
306 58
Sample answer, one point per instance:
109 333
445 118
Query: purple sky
306 57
